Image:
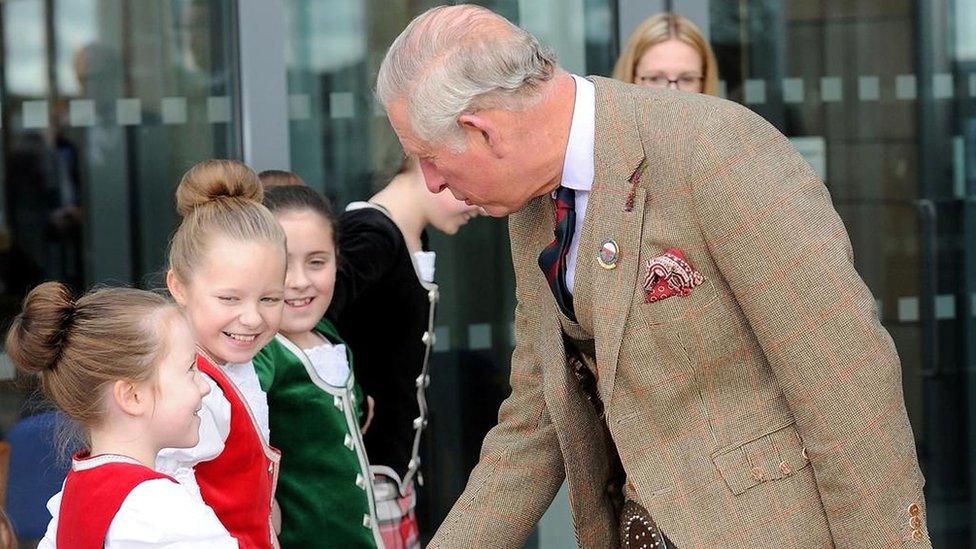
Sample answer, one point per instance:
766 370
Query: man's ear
481 129
130 397
176 288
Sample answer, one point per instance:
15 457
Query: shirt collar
83 461
578 165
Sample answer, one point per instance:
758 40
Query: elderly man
695 354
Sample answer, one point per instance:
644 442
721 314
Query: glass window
104 104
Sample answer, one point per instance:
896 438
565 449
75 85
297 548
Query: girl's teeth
245 338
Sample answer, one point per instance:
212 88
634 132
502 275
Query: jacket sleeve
521 467
775 237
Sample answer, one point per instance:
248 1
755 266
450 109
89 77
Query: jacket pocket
775 455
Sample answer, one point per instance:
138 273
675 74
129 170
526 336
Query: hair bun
38 334
213 180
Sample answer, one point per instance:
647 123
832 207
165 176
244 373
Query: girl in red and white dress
227 272
120 363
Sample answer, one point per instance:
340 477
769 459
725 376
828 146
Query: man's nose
432 177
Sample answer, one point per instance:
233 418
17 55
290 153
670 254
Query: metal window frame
263 86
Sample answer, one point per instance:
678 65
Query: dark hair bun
213 180
38 334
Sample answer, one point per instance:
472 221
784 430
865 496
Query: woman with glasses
668 51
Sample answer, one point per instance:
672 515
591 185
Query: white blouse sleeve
160 513
214 427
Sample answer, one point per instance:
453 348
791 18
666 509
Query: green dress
324 487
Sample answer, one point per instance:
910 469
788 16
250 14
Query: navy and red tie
553 258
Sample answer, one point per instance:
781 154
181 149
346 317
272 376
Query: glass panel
105 104
341 143
879 96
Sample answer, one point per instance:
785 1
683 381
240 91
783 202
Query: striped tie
552 260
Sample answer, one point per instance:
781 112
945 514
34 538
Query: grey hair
456 59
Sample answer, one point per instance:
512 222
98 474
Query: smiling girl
227 272
120 363
325 480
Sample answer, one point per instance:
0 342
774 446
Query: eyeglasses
685 82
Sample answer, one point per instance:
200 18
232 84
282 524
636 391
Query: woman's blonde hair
219 198
78 348
661 28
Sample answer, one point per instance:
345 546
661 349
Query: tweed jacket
762 410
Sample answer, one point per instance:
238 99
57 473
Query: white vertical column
263 89
631 13
696 11
558 23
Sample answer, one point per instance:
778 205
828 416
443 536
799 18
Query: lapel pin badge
608 255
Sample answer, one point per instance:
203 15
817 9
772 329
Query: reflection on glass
105 104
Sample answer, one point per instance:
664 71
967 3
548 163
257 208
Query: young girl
120 363
386 292
325 492
227 272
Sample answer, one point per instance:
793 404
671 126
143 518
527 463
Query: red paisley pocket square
669 274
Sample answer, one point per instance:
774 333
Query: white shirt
423 263
578 166
330 363
156 513
215 425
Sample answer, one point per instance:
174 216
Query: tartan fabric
762 410
396 514
552 259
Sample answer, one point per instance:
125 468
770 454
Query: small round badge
608 254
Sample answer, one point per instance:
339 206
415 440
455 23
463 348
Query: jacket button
433 296
785 468
367 522
917 535
916 522
914 510
757 474
429 338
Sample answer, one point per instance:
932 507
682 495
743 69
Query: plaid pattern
763 410
395 513
552 260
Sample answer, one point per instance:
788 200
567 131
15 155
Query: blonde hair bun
37 337
216 180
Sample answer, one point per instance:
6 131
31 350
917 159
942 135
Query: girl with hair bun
120 363
227 272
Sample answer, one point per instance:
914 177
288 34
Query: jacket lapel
615 212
